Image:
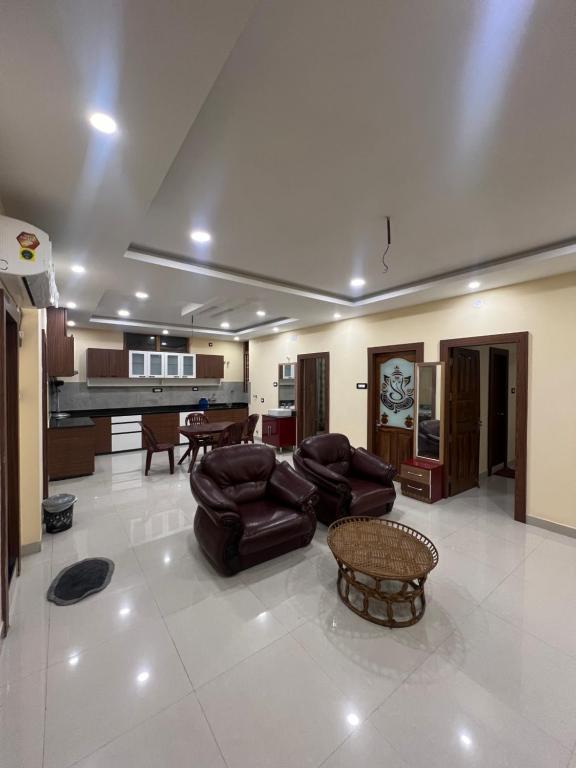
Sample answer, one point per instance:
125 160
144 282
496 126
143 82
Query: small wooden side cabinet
421 479
279 431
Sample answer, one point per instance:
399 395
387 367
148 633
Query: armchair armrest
219 507
287 486
372 467
325 477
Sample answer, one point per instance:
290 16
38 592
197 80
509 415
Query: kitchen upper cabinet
156 365
209 366
138 364
60 346
107 363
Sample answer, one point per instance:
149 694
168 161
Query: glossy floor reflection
174 665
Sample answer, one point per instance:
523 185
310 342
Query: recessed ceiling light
353 718
78 268
337 315
141 295
224 325
71 323
474 284
123 313
165 332
143 676
71 305
261 313
357 282
103 123
275 330
236 338
73 660
200 236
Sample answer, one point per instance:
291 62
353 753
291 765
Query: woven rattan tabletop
383 549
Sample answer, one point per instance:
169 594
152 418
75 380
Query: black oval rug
81 579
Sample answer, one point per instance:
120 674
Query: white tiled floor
173 665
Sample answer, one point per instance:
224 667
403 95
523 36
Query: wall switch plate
194 389
275 383
157 389
361 385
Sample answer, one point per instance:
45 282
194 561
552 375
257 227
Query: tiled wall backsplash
77 396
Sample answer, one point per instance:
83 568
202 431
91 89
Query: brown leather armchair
350 481
250 508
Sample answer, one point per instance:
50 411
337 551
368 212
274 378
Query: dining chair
153 446
249 427
232 435
198 417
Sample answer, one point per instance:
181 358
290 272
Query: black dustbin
58 512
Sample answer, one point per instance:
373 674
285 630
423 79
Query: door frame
495 352
521 339
7 310
417 347
299 368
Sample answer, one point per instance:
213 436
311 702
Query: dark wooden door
391 402
464 404
498 408
312 394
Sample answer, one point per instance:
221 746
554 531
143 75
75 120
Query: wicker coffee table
382 569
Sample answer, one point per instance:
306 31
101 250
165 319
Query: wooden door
312 394
464 405
391 401
498 408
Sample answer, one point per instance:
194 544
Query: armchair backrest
332 451
240 471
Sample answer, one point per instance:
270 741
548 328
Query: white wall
545 308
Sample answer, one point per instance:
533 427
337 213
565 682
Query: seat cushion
267 523
368 497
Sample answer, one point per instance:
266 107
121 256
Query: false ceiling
289 130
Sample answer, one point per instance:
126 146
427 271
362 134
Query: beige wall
545 308
30 416
98 338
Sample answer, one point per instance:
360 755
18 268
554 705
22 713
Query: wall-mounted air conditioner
26 267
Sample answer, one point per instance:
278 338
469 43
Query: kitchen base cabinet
279 431
227 414
103 434
164 425
71 452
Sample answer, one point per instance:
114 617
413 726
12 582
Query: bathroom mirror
429 432
286 385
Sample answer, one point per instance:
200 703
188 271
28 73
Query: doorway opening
312 395
9 454
391 378
486 407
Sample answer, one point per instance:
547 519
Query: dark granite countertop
154 409
68 423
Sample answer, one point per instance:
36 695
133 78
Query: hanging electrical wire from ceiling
388 244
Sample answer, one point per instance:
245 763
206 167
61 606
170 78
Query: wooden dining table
195 433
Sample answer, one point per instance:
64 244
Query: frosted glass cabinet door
188 366
156 365
137 364
172 366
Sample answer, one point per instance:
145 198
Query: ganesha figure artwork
397 392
